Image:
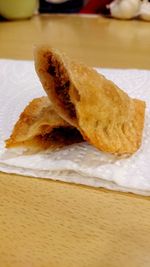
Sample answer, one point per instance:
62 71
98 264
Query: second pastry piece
39 128
105 115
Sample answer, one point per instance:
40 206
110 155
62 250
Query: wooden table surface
52 224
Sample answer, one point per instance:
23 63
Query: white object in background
125 9
145 10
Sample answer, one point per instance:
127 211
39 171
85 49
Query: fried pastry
104 114
39 128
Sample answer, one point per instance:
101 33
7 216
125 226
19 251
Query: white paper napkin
79 163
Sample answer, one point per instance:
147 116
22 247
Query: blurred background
121 9
97 32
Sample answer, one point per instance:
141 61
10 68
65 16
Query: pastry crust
104 114
40 127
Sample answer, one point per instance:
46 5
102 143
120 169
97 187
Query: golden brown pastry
40 128
105 115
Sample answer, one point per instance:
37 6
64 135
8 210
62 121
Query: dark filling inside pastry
62 86
62 136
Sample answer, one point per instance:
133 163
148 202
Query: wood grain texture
96 41
47 223
51 224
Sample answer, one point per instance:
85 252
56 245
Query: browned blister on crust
40 127
104 114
